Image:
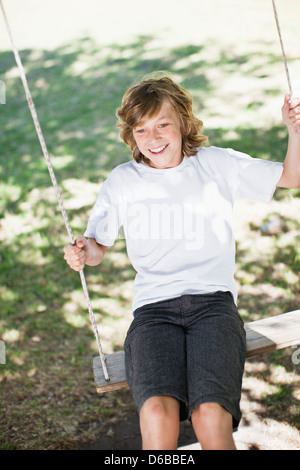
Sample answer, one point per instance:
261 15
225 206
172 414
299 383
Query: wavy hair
144 100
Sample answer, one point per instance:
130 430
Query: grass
46 386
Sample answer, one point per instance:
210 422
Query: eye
165 124
140 131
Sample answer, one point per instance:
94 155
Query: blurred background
80 57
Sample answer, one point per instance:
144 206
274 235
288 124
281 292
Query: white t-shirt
178 222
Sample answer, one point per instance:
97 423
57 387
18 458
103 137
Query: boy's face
159 139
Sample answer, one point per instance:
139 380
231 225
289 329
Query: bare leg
159 423
213 427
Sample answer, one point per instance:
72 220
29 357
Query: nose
153 135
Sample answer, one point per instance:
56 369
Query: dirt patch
258 430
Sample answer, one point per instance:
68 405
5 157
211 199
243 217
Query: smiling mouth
158 150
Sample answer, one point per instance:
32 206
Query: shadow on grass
280 400
76 89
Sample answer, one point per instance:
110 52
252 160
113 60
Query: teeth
158 150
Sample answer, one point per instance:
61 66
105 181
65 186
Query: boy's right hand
75 255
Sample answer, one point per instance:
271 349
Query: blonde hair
144 100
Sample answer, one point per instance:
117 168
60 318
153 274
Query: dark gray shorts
192 347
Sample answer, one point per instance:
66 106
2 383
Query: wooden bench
268 334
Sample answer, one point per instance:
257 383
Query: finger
81 256
294 103
71 249
80 242
294 115
67 248
70 260
74 249
73 258
78 265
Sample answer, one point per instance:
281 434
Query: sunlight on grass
74 319
15 225
9 192
59 162
10 336
7 294
80 193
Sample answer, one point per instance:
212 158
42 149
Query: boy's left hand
291 113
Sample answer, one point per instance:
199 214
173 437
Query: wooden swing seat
268 334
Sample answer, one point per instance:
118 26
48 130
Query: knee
213 426
159 423
159 413
209 414
159 409
154 410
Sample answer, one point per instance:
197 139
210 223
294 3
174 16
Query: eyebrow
143 123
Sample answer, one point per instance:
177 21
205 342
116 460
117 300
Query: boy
185 349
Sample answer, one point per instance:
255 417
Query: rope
55 185
282 49
283 54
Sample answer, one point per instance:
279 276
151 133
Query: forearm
291 166
95 252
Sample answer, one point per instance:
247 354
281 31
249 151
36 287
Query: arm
85 251
290 177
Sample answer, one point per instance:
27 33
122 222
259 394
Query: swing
262 336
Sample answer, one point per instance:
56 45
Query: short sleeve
105 220
254 178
